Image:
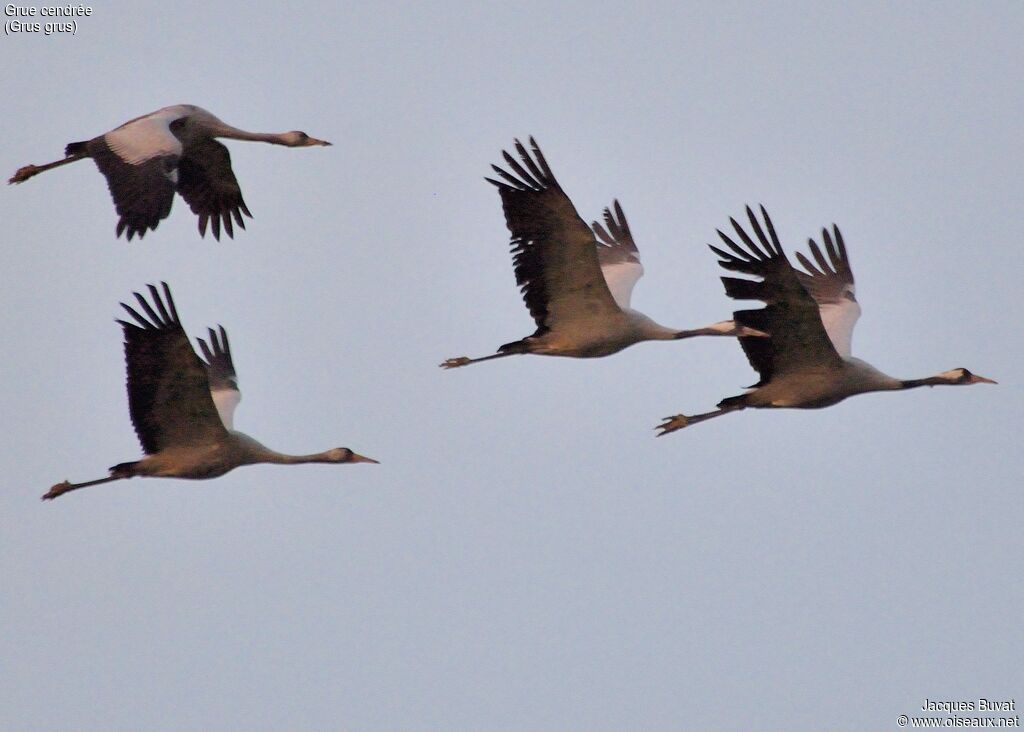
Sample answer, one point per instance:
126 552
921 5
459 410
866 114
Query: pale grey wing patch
621 278
839 319
146 137
220 371
226 401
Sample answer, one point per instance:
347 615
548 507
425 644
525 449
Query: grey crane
805 362
576 280
182 407
147 159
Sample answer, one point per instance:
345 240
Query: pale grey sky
527 555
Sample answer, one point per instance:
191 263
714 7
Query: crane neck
929 381
280 458
253 451
274 138
648 328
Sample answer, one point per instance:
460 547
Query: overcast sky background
527 555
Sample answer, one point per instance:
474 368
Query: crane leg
724 328
677 422
454 363
25 172
61 488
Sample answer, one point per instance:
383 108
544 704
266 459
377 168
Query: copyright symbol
902 720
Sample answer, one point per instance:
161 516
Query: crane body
576 280
182 406
172 150
804 361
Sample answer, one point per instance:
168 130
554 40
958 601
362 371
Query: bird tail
734 402
123 470
515 347
76 148
524 345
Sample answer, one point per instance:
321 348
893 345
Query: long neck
280 458
251 451
722 328
275 138
661 333
649 329
930 381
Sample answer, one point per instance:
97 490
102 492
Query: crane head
963 376
298 138
344 455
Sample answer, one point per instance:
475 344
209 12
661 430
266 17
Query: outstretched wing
168 390
555 253
139 159
618 255
796 340
831 286
209 186
220 371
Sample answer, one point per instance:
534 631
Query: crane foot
671 424
57 490
23 174
454 363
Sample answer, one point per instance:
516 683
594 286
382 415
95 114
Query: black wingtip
839 240
774 246
619 213
170 302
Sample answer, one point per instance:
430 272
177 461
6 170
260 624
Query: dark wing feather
168 390
207 183
796 337
615 244
618 255
554 251
832 279
220 369
142 193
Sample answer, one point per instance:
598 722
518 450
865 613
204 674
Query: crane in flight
183 407
576 280
147 159
806 361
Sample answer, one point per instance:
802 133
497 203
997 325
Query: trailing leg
118 472
671 424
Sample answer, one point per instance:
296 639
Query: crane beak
314 141
357 458
975 379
